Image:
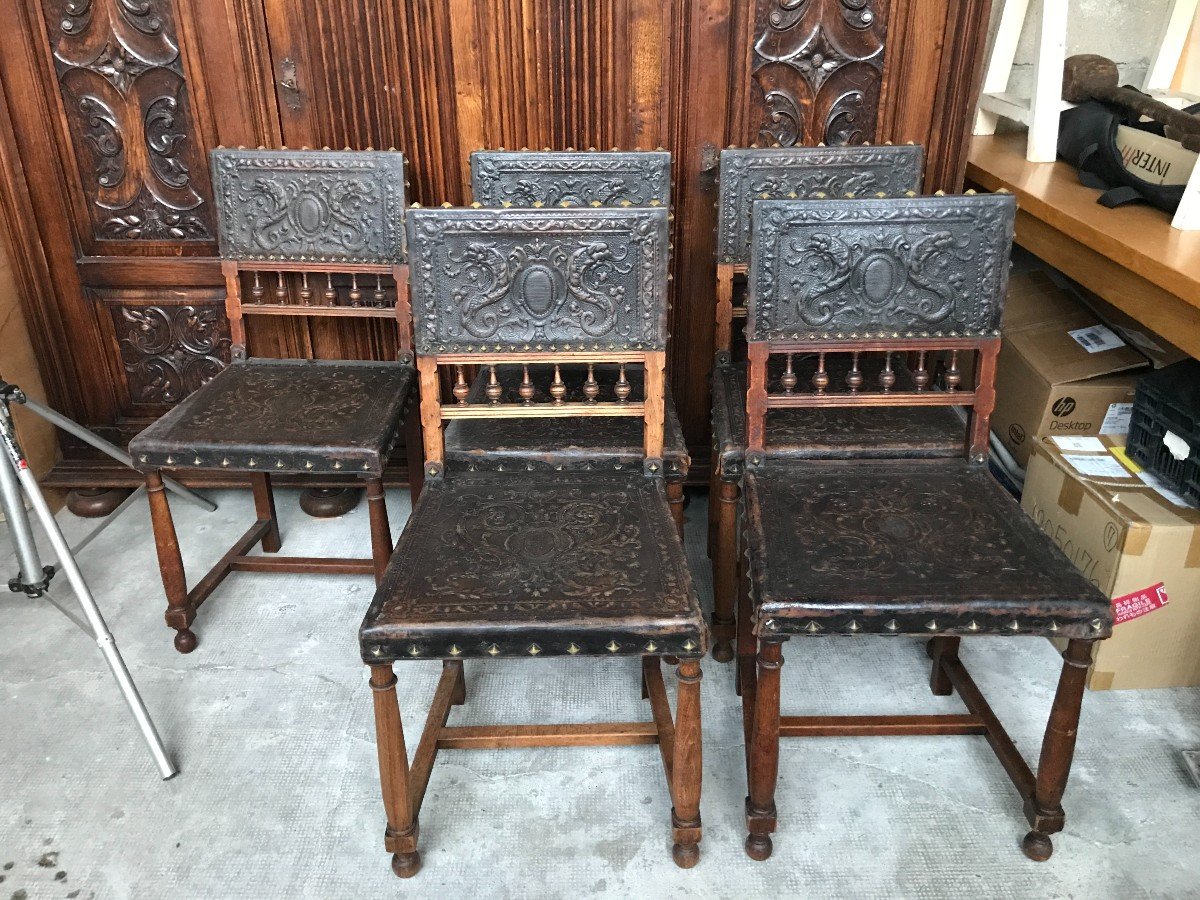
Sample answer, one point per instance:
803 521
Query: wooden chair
933 548
547 179
534 564
751 174
302 233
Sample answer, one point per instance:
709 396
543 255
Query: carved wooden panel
818 70
803 172
322 206
525 178
164 345
141 169
920 267
532 279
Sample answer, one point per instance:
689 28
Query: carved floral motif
122 81
170 351
817 69
527 178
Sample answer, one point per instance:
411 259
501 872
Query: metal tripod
33 579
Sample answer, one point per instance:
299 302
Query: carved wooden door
108 109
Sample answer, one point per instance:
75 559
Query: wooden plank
863 398
491 737
224 566
487 357
543 410
879 726
656 693
290 309
315 565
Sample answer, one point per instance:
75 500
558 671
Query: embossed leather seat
326 229
535 178
568 552
530 565
921 547
753 174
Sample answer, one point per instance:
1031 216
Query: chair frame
759 173
404 784
182 602
760 648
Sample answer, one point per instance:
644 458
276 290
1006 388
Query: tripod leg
170 563
104 639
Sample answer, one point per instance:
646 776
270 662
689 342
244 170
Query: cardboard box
1061 371
1139 544
1160 352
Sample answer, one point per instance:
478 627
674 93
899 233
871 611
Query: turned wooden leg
180 614
401 834
686 767
939 648
414 449
764 752
381 531
264 509
1044 809
747 646
725 572
675 503
714 488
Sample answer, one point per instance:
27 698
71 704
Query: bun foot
722 652
1037 846
759 847
686 855
406 865
186 640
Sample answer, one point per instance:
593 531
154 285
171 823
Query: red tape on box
1139 603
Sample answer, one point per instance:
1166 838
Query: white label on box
1091 444
1097 466
1116 420
1096 338
1152 480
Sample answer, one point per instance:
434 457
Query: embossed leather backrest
322 206
581 178
489 280
747 174
917 267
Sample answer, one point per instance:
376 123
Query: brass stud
493 650
972 626
612 646
252 462
279 463
812 627
454 651
932 625
143 457
534 649
651 647
225 462
573 649
853 626
1014 625
197 461
377 651
308 464
1054 626
337 464
413 651
170 460
689 645
892 626
1097 625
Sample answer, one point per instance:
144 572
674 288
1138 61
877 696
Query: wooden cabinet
109 107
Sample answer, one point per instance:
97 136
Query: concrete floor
270 721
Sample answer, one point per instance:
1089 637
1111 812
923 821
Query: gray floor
271 723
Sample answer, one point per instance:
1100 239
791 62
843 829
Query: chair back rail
795 173
892 277
544 178
539 287
312 233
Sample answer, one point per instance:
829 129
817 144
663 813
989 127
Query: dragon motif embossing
923 266
530 277
753 174
531 178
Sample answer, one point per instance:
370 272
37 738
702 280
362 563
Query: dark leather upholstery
600 443
835 433
906 547
524 565
318 417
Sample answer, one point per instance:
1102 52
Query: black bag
1087 139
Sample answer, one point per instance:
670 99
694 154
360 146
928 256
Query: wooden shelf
1130 256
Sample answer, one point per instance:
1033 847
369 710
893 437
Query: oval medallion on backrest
539 289
879 276
309 212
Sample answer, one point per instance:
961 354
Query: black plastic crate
1168 400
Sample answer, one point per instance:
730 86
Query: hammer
1087 76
